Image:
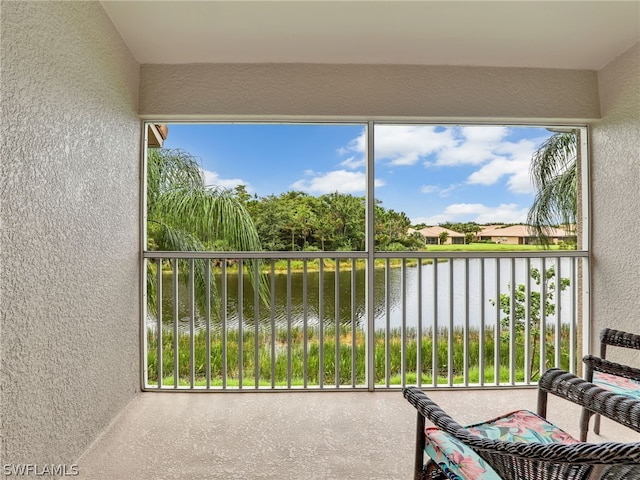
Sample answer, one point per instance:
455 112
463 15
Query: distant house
520 235
431 236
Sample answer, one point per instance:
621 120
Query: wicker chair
615 377
555 455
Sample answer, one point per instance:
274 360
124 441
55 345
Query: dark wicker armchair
558 456
611 376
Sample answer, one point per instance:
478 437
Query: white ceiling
547 34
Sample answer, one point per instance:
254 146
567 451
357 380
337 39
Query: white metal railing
317 320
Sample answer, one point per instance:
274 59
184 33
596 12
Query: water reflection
431 295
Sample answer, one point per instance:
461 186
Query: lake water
474 284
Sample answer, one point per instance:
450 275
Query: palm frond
185 215
170 239
555 156
211 214
554 174
168 169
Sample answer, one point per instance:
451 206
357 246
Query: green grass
329 264
473 377
291 362
487 247
313 265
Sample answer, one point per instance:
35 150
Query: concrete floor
291 435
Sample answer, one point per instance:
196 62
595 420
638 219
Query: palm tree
553 171
184 214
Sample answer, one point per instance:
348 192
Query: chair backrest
515 460
617 338
536 461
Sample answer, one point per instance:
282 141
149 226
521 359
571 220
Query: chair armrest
430 410
598 364
619 408
619 338
426 408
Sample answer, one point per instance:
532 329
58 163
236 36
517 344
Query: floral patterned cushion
616 384
456 460
460 462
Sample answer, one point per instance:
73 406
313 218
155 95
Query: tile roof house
520 235
433 235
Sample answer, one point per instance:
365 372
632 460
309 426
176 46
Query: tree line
297 221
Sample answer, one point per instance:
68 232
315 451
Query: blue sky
432 173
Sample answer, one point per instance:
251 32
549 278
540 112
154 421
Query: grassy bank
489 247
319 362
329 264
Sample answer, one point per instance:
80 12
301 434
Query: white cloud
466 209
473 146
490 173
476 212
402 144
511 160
341 181
407 144
213 179
353 163
442 191
520 181
486 134
480 213
520 154
430 189
358 144
486 147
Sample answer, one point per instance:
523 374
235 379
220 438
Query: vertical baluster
273 322
584 305
573 315
305 332
207 273
288 323
176 355
434 333
466 324
337 323
240 323
321 324
403 336
512 323
527 322
223 318
192 315
496 337
558 294
481 343
159 323
387 329
353 324
543 317
451 326
256 321
419 327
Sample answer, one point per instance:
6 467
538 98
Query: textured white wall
367 91
615 170
69 238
